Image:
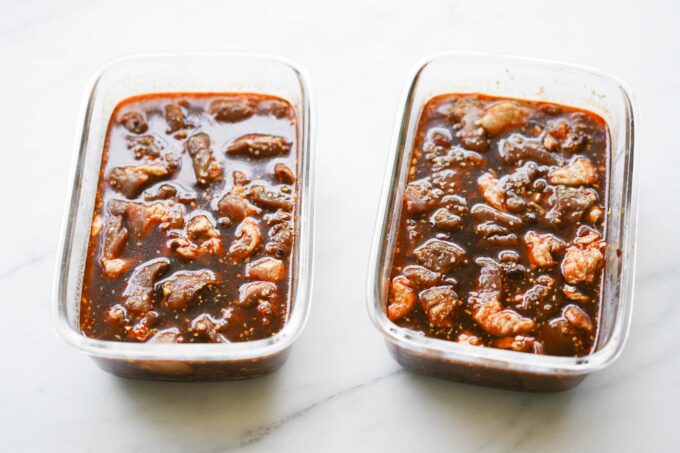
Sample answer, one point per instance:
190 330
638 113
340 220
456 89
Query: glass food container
531 79
214 73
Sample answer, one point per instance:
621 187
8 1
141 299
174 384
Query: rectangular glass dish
190 73
533 80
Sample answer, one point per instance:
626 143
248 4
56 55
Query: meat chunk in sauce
248 237
232 109
284 174
131 180
183 288
532 174
280 241
266 269
135 122
402 299
440 256
138 294
580 171
206 167
440 304
174 117
259 146
236 206
113 242
257 293
202 238
270 199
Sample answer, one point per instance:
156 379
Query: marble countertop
340 390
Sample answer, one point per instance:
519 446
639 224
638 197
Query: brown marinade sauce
193 229
501 236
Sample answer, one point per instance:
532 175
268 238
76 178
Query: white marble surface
340 391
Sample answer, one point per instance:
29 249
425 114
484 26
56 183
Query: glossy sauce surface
500 241
193 229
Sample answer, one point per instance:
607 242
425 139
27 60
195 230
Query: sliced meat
182 289
231 109
270 199
132 179
402 299
420 276
247 239
174 117
206 166
541 247
235 205
135 122
259 146
440 303
114 238
141 217
580 171
492 190
469 338
201 238
207 328
167 336
455 156
420 196
281 239
257 293
518 148
443 219
239 178
582 264
267 269
440 256
519 343
275 107
483 212
503 116
283 173
560 135
567 204
138 294
145 147
578 318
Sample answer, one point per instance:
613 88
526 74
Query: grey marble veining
340 390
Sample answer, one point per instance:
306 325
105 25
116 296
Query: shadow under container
192 73
530 79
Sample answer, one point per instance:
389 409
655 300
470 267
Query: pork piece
266 269
584 259
456 156
443 219
141 330
201 238
508 193
259 146
538 300
578 318
281 238
257 293
132 179
402 299
440 256
145 147
503 116
239 178
440 304
420 196
446 180
235 205
270 199
560 135
519 343
247 239
421 277
518 148
231 109
284 174
580 171
138 294
206 166
541 247
142 217
275 107
206 327
455 204
568 204
486 306
573 293
114 239
469 338
174 116
182 289
167 336
473 137
168 191
135 122
278 217
438 136
494 226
